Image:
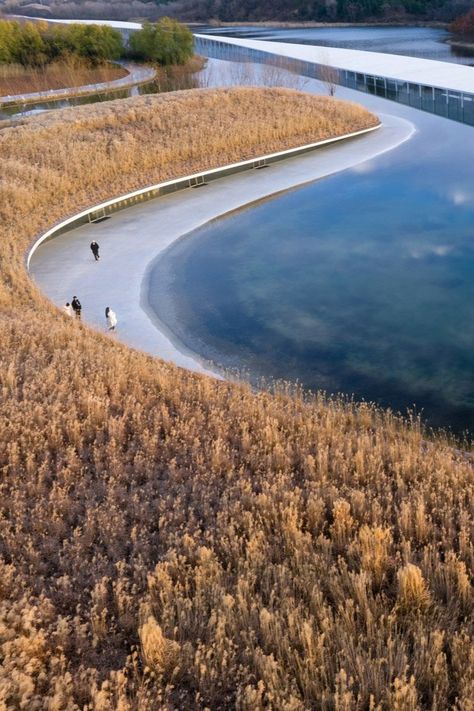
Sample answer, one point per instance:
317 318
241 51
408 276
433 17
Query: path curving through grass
63 265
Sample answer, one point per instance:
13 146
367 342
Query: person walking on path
68 309
95 250
111 318
76 306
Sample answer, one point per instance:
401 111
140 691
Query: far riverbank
320 25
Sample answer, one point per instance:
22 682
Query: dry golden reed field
171 542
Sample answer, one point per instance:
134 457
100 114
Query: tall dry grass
16 79
169 541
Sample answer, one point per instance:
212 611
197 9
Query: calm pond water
361 283
425 42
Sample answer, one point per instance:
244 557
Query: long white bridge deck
442 88
429 72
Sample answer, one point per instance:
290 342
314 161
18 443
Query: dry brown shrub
404 695
160 654
343 524
413 593
374 546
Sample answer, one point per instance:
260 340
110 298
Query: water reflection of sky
360 283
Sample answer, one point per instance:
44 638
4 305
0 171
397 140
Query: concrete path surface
132 239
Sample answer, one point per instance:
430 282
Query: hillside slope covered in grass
168 541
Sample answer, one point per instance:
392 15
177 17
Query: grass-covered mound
169 541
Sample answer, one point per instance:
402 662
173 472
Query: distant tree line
321 10
36 44
249 10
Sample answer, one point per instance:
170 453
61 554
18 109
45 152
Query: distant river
425 42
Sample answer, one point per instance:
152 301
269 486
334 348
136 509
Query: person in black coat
76 306
95 250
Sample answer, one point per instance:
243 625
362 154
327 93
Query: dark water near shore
361 283
424 42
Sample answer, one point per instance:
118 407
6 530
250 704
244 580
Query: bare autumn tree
328 74
464 25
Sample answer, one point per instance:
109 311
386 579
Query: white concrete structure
427 72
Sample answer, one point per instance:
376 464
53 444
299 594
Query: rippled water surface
361 283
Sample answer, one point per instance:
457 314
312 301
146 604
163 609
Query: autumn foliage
464 25
170 541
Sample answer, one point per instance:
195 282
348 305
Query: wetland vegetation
170 541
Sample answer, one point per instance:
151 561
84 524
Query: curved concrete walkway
136 75
131 240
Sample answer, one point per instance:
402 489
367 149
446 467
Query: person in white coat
111 318
68 309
